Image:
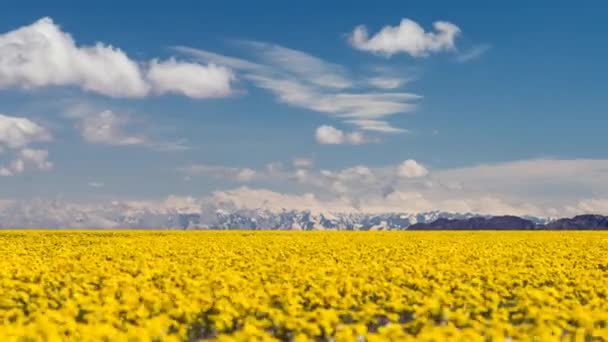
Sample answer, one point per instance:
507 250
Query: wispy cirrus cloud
305 81
377 126
303 65
225 172
386 82
473 53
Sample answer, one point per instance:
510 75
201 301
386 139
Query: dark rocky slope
581 222
477 223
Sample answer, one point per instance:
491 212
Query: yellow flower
301 286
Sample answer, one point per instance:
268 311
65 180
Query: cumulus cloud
329 135
39 158
16 135
542 187
27 157
546 187
354 181
534 186
245 175
107 127
190 79
502 188
245 198
408 37
412 169
17 132
41 55
358 173
250 198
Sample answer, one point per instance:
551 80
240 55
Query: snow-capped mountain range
57 214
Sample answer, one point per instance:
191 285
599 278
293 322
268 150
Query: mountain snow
193 215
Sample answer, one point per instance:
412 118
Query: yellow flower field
297 286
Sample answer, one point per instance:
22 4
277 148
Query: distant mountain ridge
198 216
580 222
306 220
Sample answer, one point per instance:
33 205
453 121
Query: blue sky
512 85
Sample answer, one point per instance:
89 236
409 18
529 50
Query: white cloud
233 173
33 157
590 205
529 187
245 198
329 135
41 55
305 81
412 169
377 126
307 67
548 179
168 146
472 54
357 138
305 163
300 175
190 79
18 132
96 184
245 175
274 167
409 37
354 181
370 105
248 198
359 173
108 128
16 135
386 82
38 158
158 213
